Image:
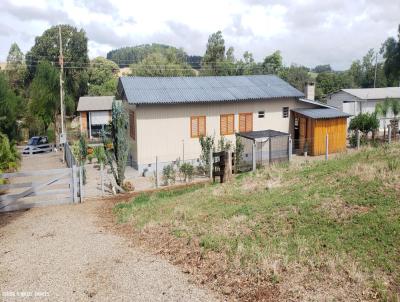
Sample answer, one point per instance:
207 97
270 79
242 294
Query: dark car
37 144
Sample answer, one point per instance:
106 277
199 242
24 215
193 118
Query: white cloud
308 32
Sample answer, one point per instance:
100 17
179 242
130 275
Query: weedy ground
325 230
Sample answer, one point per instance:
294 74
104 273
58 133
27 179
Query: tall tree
391 53
103 75
295 75
328 82
273 63
16 69
214 56
45 95
247 65
75 51
10 109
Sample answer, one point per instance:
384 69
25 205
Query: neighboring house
94 112
167 115
362 100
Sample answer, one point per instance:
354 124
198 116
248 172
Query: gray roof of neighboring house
173 90
322 113
95 103
374 93
253 135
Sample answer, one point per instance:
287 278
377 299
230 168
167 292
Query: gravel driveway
61 253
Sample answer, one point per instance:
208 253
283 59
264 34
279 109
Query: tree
273 63
160 65
16 69
10 109
295 75
214 55
382 109
9 155
323 68
120 145
328 82
103 75
45 95
391 54
365 122
75 52
247 65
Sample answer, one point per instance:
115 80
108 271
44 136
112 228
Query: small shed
266 145
95 112
311 127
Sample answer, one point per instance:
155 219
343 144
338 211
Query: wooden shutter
132 128
227 124
197 126
245 122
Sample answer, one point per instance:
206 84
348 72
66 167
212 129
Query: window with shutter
245 122
197 126
132 125
227 124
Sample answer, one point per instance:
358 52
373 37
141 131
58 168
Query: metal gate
40 188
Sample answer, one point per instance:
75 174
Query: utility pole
61 61
376 67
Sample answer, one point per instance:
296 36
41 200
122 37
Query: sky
307 32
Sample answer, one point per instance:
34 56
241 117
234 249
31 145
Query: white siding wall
164 130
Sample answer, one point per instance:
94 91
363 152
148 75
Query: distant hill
126 56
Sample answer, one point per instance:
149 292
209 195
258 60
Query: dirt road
61 253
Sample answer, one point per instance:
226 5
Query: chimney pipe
309 90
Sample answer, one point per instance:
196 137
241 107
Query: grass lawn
311 231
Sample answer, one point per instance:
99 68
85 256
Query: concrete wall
164 130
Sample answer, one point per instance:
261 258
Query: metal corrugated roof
374 93
322 113
95 103
170 90
262 134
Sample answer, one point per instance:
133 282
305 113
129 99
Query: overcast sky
308 32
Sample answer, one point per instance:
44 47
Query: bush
90 158
365 122
187 171
207 145
100 154
169 175
9 156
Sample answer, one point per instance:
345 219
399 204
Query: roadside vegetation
327 230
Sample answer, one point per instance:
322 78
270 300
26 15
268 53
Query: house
362 100
167 115
94 112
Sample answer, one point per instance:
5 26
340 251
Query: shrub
224 144
207 146
187 171
9 156
365 122
169 175
90 158
100 154
239 149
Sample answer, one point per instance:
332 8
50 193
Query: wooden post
81 183
389 134
326 147
156 171
358 139
228 166
102 179
211 163
254 156
290 147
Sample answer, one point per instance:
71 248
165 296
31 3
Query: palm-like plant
395 106
382 110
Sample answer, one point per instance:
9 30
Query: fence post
211 163
326 146
74 185
81 183
358 139
254 156
156 171
270 150
290 147
389 134
102 179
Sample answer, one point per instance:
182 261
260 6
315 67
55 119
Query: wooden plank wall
337 132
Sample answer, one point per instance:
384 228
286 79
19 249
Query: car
37 144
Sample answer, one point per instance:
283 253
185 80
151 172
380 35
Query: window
197 126
285 112
261 114
132 125
245 122
227 124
